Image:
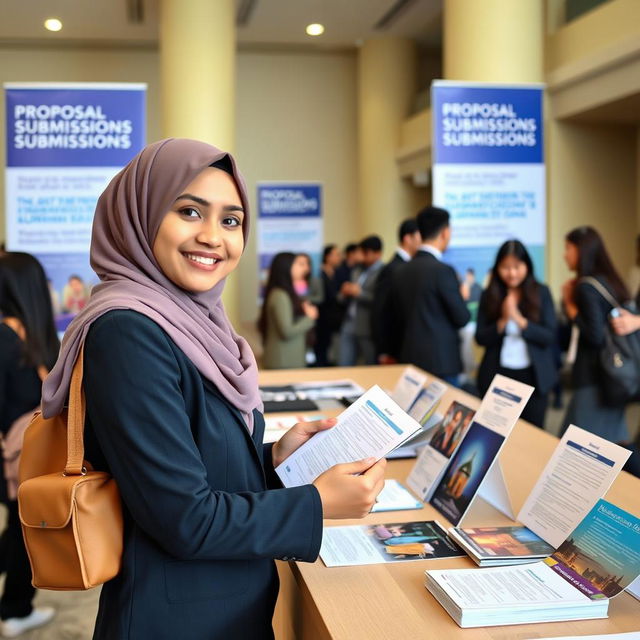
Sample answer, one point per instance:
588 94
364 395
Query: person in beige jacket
285 318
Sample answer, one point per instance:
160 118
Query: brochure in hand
381 543
597 561
371 427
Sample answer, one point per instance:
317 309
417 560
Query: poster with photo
466 471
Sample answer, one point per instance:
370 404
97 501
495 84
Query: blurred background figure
285 318
586 255
330 311
517 326
74 295
308 287
28 350
356 341
387 342
633 280
428 305
352 259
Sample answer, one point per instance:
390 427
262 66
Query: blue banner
64 144
289 219
488 171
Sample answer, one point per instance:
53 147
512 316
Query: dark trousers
322 344
536 408
18 592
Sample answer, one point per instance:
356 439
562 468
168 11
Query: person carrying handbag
28 348
173 411
588 309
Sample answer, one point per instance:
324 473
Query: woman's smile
201 260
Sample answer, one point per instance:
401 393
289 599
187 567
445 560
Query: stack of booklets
597 561
498 546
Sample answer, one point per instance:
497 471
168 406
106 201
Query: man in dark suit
428 304
385 339
355 334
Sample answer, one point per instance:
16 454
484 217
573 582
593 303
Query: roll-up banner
64 144
289 219
488 170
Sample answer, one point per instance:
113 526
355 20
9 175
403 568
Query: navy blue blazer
428 312
203 519
539 336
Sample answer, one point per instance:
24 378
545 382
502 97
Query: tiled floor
77 610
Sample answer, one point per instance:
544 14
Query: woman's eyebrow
206 203
190 196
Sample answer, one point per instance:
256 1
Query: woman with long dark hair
28 350
285 318
589 310
517 327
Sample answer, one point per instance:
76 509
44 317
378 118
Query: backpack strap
602 290
75 420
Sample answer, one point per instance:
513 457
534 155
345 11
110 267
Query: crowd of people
414 308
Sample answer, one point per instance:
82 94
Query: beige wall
296 120
592 181
606 26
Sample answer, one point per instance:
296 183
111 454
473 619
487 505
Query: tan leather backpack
71 515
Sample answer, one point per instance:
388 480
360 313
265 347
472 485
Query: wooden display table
390 601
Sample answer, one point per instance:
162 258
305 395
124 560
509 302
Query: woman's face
299 268
512 271
571 255
200 240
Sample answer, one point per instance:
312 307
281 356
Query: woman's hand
347 495
625 323
310 310
568 299
296 437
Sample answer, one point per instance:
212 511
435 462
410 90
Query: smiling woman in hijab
173 410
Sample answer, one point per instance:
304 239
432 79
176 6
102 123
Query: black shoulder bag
619 358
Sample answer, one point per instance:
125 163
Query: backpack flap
46 502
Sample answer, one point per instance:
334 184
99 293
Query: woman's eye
231 221
190 212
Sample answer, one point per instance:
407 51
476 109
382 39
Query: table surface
390 600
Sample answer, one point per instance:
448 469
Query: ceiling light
52 24
315 29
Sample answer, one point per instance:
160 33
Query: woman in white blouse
517 327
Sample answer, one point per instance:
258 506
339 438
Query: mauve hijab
127 219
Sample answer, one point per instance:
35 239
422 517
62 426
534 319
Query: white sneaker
14 627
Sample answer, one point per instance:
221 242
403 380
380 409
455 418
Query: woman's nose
209 233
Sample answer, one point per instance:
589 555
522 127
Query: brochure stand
493 489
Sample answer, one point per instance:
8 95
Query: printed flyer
377 544
434 457
499 411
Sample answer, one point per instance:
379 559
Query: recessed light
315 29
52 24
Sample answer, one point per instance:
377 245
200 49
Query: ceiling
263 22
